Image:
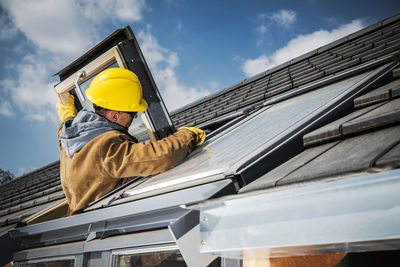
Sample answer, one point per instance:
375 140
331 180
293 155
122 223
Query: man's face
122 118
125 119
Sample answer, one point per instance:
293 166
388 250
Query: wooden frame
108 58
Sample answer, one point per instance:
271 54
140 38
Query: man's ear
115 116
112 115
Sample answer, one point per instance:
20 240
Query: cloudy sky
193 48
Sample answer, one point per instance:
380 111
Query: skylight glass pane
266 128
156 259
56 263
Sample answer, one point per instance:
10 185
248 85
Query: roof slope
365 141
379 40
39 189
29 194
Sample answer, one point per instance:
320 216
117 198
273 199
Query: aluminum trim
348 215
170 183
145 250
47 259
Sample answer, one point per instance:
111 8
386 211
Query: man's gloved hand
68 110
199 133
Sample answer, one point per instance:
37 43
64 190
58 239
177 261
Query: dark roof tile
273 177
383 93
391 158
279 85
345 64
333 130
343 49
391 38
321 59
384 115
307 79
359 49
304 71
369 38
349 156
383 50
392 27
277 90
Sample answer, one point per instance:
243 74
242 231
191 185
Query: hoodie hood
79 131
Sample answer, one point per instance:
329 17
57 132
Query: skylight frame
244 166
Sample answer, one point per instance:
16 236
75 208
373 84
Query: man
98 154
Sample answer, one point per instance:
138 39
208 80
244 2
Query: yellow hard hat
117 89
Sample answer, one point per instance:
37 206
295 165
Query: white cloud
31 92
298 46
60 31
162 63
253 66
284 17
6 109
54 26
104 10
67 27
261 29
267 21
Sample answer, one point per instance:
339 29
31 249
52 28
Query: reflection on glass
57 263
137 128
162 259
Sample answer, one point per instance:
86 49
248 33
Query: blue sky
193 48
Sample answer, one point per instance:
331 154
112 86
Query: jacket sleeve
58 135
122 157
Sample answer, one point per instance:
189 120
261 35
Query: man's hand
67 111
200 135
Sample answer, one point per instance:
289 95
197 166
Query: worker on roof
97 152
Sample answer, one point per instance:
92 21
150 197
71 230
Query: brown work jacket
110 159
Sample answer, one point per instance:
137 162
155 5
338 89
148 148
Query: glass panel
162 259
263 130
57 263
85 85
137 128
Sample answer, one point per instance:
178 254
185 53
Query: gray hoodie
79 131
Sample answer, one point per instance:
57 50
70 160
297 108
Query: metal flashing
160 212
157 186
350 215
